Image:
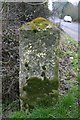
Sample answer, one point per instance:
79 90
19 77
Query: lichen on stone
37 24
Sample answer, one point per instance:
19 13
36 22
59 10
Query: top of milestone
38 24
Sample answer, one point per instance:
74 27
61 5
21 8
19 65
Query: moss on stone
40 91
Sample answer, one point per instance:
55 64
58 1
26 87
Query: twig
37 3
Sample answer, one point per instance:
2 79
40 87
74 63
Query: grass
71 49
66 107
18 114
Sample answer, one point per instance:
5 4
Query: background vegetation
66 8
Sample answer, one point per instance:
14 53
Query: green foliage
79 77
70 50
73 53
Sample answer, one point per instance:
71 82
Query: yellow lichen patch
38 20
38 24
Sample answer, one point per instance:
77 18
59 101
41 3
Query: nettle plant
39 47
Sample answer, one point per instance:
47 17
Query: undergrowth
66 107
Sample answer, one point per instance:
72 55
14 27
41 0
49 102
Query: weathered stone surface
39 65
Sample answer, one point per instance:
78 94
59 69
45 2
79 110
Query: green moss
40 91
55 83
